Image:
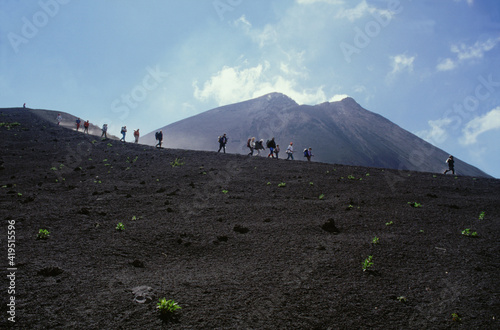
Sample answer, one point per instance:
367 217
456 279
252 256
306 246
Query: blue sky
430 66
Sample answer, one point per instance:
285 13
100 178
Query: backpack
248 142
306 153
268 143
157 135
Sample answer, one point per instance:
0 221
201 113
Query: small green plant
390 223
482 215
350 207
311 183
455 317
375 240
53 168
367 174
167 306
401 299
177 162
468 232
224 191
269 183
282 184
321 196
120 226
109 145
415 204
43 234
368 263
351 177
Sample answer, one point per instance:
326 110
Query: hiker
86 127
222 142
289 151
136 136
277 151
78 124
104 131
59 118
271 145
451 165
24 105
259 145
308 154
251 145
159 137
124 132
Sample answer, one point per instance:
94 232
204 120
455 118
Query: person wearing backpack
104 131
251 145
86 127
451 165
308 154
222 142
277 151
289 151
78 124
159 137
136 136
124 132
271 145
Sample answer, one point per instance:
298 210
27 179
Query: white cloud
437 133
446 65
232 84
480 125
401 63
338 97
469 2
464 53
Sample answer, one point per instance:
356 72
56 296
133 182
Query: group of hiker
274 149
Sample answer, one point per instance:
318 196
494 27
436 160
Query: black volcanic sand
230 246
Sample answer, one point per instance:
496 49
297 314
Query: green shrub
167 306
43 234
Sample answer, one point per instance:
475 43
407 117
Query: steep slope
234 247
338 132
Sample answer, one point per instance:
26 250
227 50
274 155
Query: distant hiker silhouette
277 151
251 145
289 151
159 138
78 124
451 165
24 105
104 131
271 145
124 132
222 143
136 135
308 154
59 119
86 127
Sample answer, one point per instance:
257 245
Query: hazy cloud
464 53
480 125
233 84
437 132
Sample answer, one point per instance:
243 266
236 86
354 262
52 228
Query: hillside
338 132
238 242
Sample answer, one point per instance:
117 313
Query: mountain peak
278 97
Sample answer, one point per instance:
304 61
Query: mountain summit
338 132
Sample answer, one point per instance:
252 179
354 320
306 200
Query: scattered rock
330 227
137 263
143 294
240 229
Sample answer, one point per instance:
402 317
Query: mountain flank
338 132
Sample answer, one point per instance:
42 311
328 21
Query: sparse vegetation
321 196
224 191
10 125
482 215
401 299
177 162
368 263
455 317
468 232
281 184
167 307
120 226
414 204
351 177
375 240
43 234
390 223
